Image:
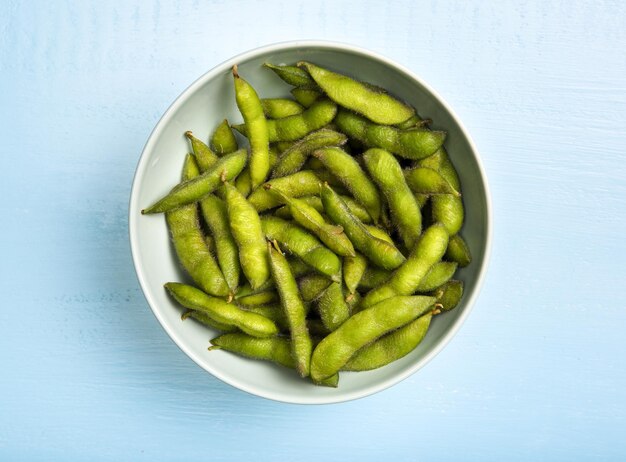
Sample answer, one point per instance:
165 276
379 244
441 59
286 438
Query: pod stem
214 347
235 71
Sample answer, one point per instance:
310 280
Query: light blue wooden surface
536 373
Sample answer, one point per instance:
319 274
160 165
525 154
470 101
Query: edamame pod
306 96
295 312
316 202
277 108
259 298
221 311
292 75
204 156
458 251
377 106
410 144
379 252
309 218
353 270
332 306
449 295
362 328
246 229
312 286
374 277
405 213
190 244
299 184
411 122
390 347
190 191
243 183
216 217
345 168
404 281
304 245
251 109
207 320
379 233
223 140
292 159
425 180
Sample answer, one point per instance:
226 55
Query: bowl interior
200 108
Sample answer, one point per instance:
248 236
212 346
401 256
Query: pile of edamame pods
331 241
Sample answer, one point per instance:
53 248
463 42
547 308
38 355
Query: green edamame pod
312 286
411 122
190 244
306 96
423 180
292 75
449 295
204 156
410 144
294 127
216 217
304 245
438 275
332 306
303 183
405 212
243 183
223 140
362 328
277 108
458 251
273 312
194 189
345 168
353 270
274 349
221 311
377 106
309 218
259 298
292 159
298 269
374 277
404 281
208 321
316 202
251 109
317 329
379 252
390 347
295 312
440 162
379 233
246 229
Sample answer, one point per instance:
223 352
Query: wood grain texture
537 370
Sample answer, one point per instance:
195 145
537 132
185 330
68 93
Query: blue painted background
537 372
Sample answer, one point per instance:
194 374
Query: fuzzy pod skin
332 306
295 312
405 212
275 349
316 202
379 252
251 110
215 215
374 104
292 75
304 245
221 311
246 229
293 158
223 140
277 108
273 311
348 171
353 270
390 347
205 157
303 183
374 277
449 295
243 182
362 328
298 269
208 321
194 189
424 180
458 251
437 275
190 243
411 122
405 280
410 144
306 96
312 286
379 233
331 235
260 298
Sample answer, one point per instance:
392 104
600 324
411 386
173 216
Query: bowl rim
134 215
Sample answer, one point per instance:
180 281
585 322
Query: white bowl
200 108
